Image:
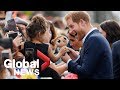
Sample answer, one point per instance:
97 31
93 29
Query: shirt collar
83 40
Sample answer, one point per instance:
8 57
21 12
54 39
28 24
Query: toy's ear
67 40
54 40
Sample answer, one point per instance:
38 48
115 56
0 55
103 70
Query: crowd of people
75 50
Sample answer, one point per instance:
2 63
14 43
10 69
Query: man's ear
82 23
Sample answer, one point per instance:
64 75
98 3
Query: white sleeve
74 60
68 62
77 57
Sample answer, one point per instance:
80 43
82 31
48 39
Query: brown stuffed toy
60 41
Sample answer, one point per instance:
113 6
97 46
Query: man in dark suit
95 59
116 59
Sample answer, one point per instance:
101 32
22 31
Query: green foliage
29 13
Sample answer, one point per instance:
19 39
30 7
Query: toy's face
62 41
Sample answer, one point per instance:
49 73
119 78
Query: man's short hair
77 15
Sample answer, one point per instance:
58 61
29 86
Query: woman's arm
59 69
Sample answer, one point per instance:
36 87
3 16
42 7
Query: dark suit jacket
116 59
95 60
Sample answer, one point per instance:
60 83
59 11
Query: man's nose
71 32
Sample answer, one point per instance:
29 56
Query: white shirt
83 40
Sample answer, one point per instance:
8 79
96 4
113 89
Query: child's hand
1 48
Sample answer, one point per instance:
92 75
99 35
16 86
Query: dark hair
112 30
37 24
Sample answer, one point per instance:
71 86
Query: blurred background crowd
15 41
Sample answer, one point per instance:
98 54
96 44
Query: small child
37 31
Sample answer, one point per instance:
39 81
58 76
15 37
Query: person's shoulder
98 40
116 44
28 43
95 37
46 44
94 34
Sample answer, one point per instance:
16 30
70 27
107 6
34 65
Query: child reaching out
37 31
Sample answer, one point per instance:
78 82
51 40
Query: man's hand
65 58
72 53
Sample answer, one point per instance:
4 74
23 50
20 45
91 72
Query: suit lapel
82 51
95 31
